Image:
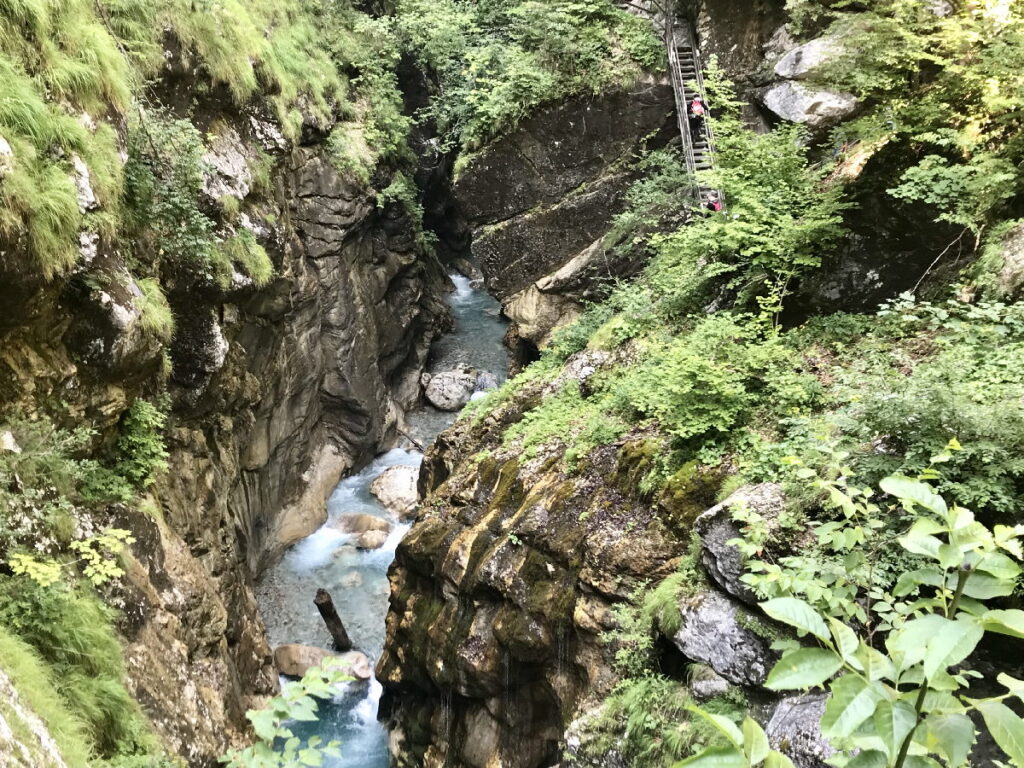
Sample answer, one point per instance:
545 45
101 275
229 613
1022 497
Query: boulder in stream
295 660
371 540
449 390
395 488
362 523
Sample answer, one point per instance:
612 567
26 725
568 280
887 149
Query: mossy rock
690 491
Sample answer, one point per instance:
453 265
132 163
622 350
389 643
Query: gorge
246 249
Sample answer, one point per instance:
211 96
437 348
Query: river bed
356 579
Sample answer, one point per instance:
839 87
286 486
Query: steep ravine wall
274 393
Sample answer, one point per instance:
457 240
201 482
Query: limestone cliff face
275 392
501 591
544 196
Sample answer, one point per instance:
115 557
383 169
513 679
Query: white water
357 580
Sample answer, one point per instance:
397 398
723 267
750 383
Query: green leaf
777 760
723 724
755 743
909 581
1005 622
868 758
716 757
798 614
909 490
263 722
999 565
920 761
955 641
919 539
803 668
1006 728
846 641
951 735
893 721
1012 684
852 702
984 587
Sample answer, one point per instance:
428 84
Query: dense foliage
497 61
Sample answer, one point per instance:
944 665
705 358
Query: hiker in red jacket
713 203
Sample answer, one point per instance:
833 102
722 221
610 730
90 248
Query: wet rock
371 540
706 684
8 444
295 660
722 560
6 157
450 390
228 171
713 632
83 185
801 62
818 109
395 488
351 580
795 729
362 524
486 381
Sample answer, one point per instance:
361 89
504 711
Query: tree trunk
325 605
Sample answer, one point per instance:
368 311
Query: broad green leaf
264 723
715 757
909 490
911 640
852 702
950 735
311 757
803 668
777 760
999 565
868 758
984 587
876 665
1012 684
723 724
920 761
1006 728
893 721
1005 622
909 581
919 539
798 614
846 641
755 743
955 641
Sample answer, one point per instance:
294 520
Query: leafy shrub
499 61
141 454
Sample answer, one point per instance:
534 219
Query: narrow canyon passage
357 578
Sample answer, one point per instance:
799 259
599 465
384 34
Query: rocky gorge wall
274 392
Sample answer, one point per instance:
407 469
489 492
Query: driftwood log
325 605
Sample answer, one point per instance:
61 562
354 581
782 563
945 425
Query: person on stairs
713 203
698 114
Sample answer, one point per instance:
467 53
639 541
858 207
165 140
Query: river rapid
357 579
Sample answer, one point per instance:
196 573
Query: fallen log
329 613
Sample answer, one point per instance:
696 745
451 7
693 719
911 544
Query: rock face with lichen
503 588
274 392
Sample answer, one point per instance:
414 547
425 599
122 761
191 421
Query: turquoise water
357 580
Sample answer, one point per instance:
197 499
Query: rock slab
294 660
395 488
